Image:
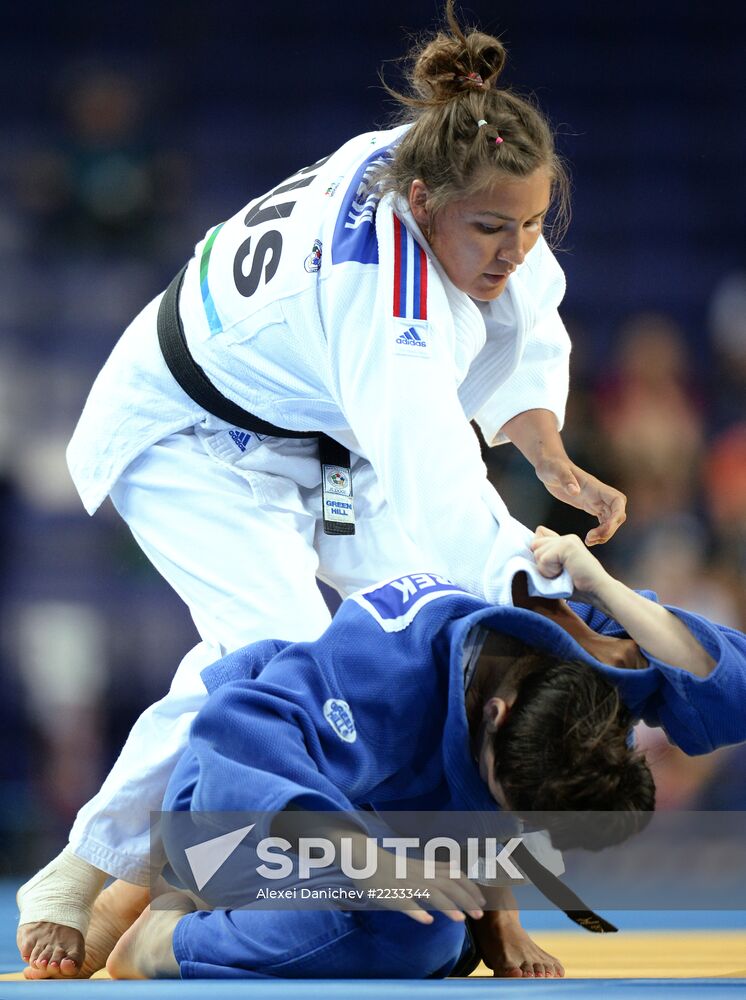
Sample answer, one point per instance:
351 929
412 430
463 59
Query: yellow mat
645 955
629 955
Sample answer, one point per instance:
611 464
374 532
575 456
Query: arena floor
655 955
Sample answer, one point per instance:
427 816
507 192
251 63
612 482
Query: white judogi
318 307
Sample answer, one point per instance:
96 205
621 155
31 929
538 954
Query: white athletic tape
63 892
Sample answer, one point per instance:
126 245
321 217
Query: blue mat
386 989
568 989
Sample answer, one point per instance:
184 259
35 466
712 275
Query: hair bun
455 62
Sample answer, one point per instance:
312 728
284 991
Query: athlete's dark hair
451 80
564 749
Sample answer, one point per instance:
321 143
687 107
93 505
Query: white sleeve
540 381
402 405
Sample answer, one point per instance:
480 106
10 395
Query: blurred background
129 129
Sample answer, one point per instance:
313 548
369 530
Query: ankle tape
63 892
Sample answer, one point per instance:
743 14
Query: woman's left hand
569 483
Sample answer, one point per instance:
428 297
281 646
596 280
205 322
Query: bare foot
115 909
51 950
145 951
508 950
62 894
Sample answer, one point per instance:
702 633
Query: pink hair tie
474 78
483 121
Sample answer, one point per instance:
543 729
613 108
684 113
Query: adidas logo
410 338
240 439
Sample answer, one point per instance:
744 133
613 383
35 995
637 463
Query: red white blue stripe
410 274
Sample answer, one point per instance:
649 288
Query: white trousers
238 536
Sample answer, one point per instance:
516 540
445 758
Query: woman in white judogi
384 297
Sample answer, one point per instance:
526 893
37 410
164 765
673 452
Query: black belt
336 475
558 893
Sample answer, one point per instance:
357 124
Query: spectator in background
687 491
651 419
680 781
673 559
102 185
727 323
87 189
724 484
724 479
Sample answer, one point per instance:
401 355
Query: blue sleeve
718 699
255 747
249 661
699 714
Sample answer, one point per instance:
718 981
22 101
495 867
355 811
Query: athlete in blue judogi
321 727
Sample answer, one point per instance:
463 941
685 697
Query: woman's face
481 240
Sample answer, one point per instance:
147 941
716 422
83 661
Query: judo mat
655 956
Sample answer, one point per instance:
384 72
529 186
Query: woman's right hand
554 553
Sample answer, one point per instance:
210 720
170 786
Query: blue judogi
372 714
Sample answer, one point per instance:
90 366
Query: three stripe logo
240 438
410 338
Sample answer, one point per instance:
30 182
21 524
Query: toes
42 959
68 966
511 972
31 973
57 955
37 971
52 951
554 968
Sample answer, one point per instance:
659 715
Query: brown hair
565 747
451 79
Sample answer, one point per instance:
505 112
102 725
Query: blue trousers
316 944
